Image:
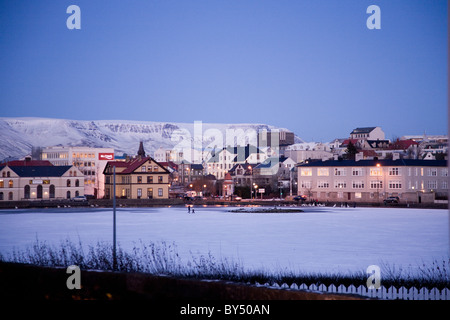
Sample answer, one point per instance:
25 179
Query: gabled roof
363 130
40 171
132 165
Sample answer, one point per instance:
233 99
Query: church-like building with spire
140 177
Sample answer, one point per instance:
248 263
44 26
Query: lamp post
378 181
251 181
114 219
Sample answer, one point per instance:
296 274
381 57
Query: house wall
371 184
17 191
140 184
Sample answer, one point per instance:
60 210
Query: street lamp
378 180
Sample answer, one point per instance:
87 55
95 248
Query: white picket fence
383 293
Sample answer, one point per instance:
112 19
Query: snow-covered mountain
19 135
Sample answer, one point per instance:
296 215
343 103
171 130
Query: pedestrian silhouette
189 209
193 211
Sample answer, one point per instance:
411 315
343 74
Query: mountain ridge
20 134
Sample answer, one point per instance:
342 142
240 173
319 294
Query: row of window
127 179
393 184
374 172
11 183
27 194
125 193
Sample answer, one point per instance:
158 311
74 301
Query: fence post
332 288
413 292
424 293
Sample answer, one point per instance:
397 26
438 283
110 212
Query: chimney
359 156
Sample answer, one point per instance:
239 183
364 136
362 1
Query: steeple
141 152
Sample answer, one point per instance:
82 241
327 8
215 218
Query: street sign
261 190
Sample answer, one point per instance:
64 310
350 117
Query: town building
224 159
367 133
307 151
39 180
90 161
412 180
138 178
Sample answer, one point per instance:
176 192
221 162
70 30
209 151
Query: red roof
132 165
347 141
403 144
29 163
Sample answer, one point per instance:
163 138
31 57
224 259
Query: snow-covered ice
320 239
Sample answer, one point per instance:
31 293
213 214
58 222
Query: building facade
40 182
138 178
90 161
412 180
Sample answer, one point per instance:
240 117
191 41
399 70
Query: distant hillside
19 135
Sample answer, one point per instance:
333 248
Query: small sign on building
106 156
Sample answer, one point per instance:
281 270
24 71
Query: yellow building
138 178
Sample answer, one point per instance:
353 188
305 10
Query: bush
163 259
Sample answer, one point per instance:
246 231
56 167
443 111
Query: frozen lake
317 240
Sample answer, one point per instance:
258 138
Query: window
155 168
323 184
150 193
52 191
160 192
444 172
445 184
68 182
160 179
149 179
358 184
394 171
306 172
77 183
432 172
376 184
139 179
143 168
1 195
432 184
375 172
358 195
340 171
340 184
395 184
139 193
357 172
26 192
322 172
2 184
10 184
305 184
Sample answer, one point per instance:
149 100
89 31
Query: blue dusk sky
311 66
